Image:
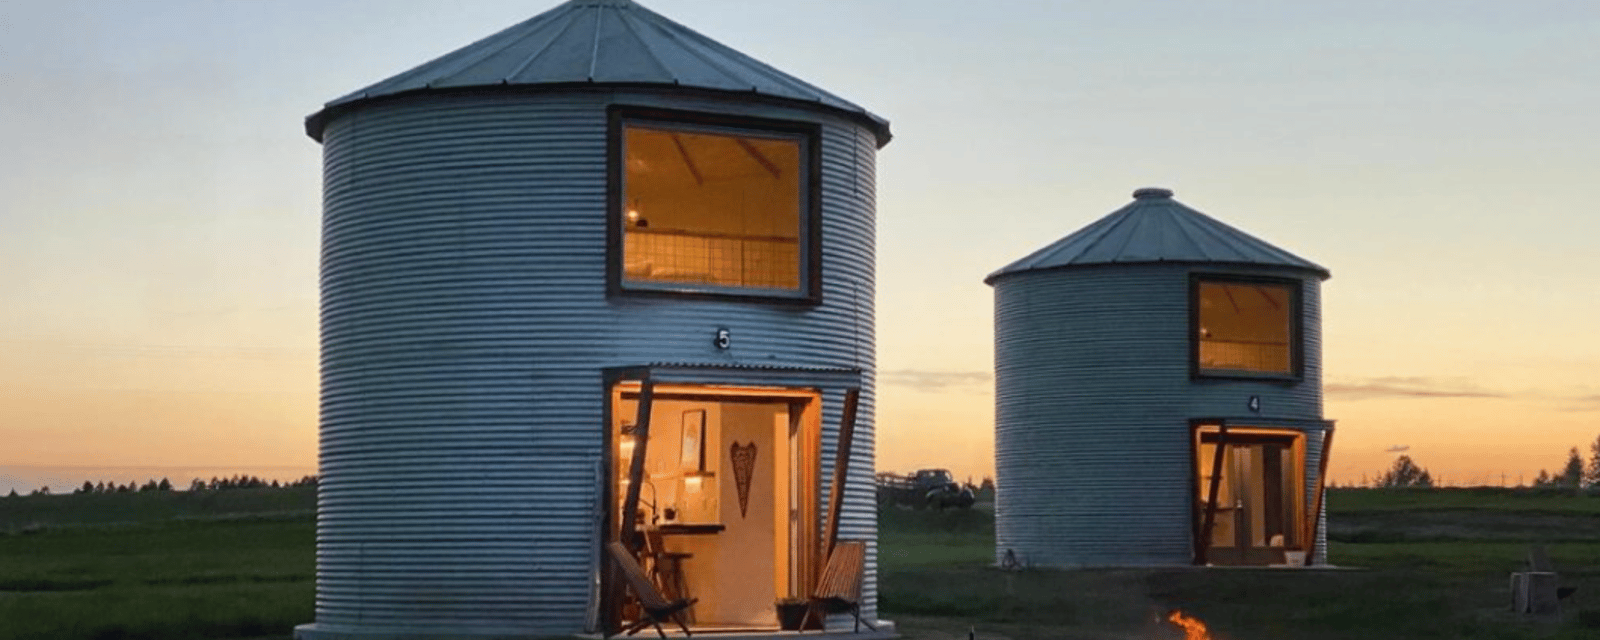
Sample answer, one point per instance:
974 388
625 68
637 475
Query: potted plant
792 612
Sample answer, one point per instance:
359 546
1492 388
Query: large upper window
1246 328
716 209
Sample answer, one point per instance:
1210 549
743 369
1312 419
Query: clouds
1407 387
935 380
1425 387
1579 399
1588 402
1371 388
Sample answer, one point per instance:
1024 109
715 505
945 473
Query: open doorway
1250 507
726 491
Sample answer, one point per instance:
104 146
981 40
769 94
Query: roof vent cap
1152 193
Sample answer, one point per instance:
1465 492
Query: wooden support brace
628 533
612 579
1202 550
841 469
1322 490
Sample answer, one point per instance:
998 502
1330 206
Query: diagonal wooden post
1322 489
1204 548
629 534
841 469
612 582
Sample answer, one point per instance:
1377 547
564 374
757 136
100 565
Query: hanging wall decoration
693 452
744 468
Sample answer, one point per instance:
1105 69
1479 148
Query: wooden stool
668 569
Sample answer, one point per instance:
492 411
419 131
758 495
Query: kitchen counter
690 528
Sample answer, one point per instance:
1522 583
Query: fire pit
1193 628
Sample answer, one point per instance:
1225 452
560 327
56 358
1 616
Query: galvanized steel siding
1093 402
465 325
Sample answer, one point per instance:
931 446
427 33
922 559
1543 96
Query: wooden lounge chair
656 606
839 588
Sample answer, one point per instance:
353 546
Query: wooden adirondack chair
839 588
656 606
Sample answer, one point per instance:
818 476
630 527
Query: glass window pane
1246 327
715 208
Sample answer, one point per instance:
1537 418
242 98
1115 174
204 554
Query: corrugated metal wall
465 325
1093 399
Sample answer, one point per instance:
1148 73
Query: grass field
161 565
1419 564
1432 564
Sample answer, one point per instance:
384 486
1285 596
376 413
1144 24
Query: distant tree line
215 484
112 487
1576 474
247 482
1405 472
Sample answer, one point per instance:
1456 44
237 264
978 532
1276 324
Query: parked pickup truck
925 488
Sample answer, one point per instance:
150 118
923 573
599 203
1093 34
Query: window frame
810 209
1296 371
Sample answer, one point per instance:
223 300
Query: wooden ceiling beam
760 158
688 162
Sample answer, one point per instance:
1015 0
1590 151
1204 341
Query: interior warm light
629 437
635 219
691 483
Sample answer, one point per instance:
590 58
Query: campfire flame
1193 628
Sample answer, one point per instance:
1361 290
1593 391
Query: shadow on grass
245 627
209 612
978 594
25 585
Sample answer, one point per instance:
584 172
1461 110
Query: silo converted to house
594 278
1158 382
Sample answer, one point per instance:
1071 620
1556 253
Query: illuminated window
706 207
1246 328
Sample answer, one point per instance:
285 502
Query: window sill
1247 376
787 298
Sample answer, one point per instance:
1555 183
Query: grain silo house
593 280
1158 381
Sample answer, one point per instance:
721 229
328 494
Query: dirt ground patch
937 628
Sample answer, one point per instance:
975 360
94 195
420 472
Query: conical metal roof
1156 228
592 42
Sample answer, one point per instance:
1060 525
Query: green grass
31 512
158 566
1431 565
954 537
1347 501
159 612
239 564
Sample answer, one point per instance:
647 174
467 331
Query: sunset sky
160 204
